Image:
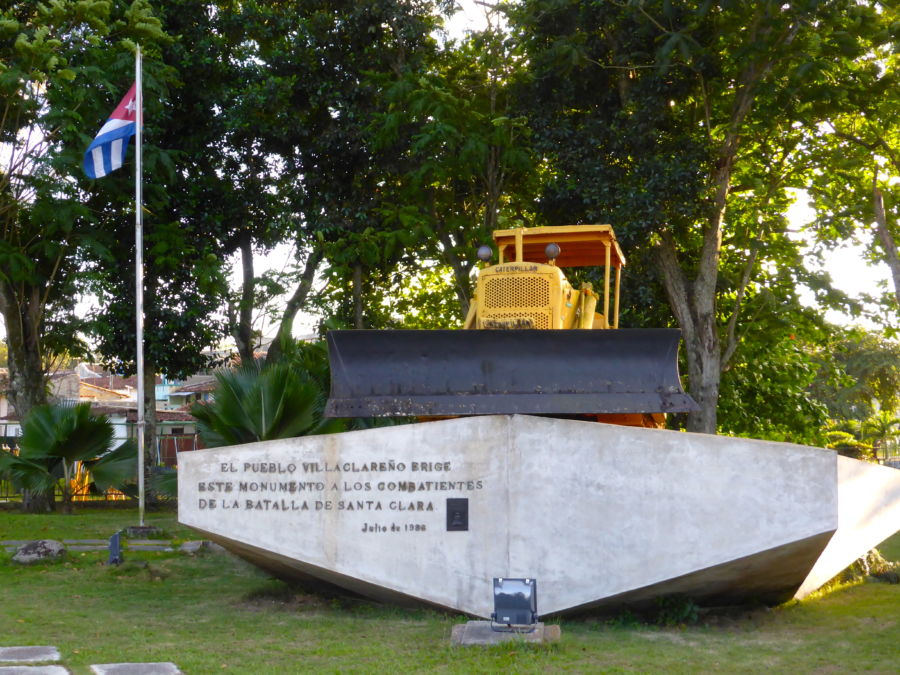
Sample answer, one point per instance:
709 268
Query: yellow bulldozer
533 344
528 289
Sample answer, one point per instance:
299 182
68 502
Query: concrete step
29 654
159 668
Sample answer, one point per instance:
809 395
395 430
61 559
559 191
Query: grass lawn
212 613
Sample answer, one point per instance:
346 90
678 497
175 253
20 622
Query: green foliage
314 75
867 439
310 359
683 125
857 153
676 610
55 438
186 238
426 300
466 164
63 63
261 403
69 433
847 444
163 483
870 565
881 429
766 393
871 365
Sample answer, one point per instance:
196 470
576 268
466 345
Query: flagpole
139 274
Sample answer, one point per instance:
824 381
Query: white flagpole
139 275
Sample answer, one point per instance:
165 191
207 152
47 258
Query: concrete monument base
600 515
480 633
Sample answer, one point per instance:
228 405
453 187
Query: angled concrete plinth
598 514
868 513
161 668
29 654
33 670
480 633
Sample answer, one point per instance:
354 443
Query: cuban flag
107 151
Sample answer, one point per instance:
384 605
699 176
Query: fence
8 494
167 447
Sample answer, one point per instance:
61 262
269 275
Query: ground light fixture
515 605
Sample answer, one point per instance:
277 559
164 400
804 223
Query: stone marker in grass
39 551
480 633
30 654
160 668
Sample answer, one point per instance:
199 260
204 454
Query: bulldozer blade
433 373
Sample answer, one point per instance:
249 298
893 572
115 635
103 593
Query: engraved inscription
396 489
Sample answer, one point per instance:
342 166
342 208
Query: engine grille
509 292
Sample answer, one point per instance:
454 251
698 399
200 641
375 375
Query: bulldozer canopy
580 245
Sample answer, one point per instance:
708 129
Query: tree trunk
150 459
27 381
891 256
22 318
695 313
462 270
357 297
67 487
294 305
694 302
37 502
462 277
243 330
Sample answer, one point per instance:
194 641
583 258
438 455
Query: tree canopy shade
656 116
320 69
55 58
384 157
465 167
189 212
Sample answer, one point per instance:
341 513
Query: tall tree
857 148
871 368
193 212
56 58
323 67
466 166
653 114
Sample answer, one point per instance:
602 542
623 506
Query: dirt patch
282 600
667 636
735 618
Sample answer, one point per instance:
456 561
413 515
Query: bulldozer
531 343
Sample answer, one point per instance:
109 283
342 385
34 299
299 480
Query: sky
849 270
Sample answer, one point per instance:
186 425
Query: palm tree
847 444
880 429
55 438
260 403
